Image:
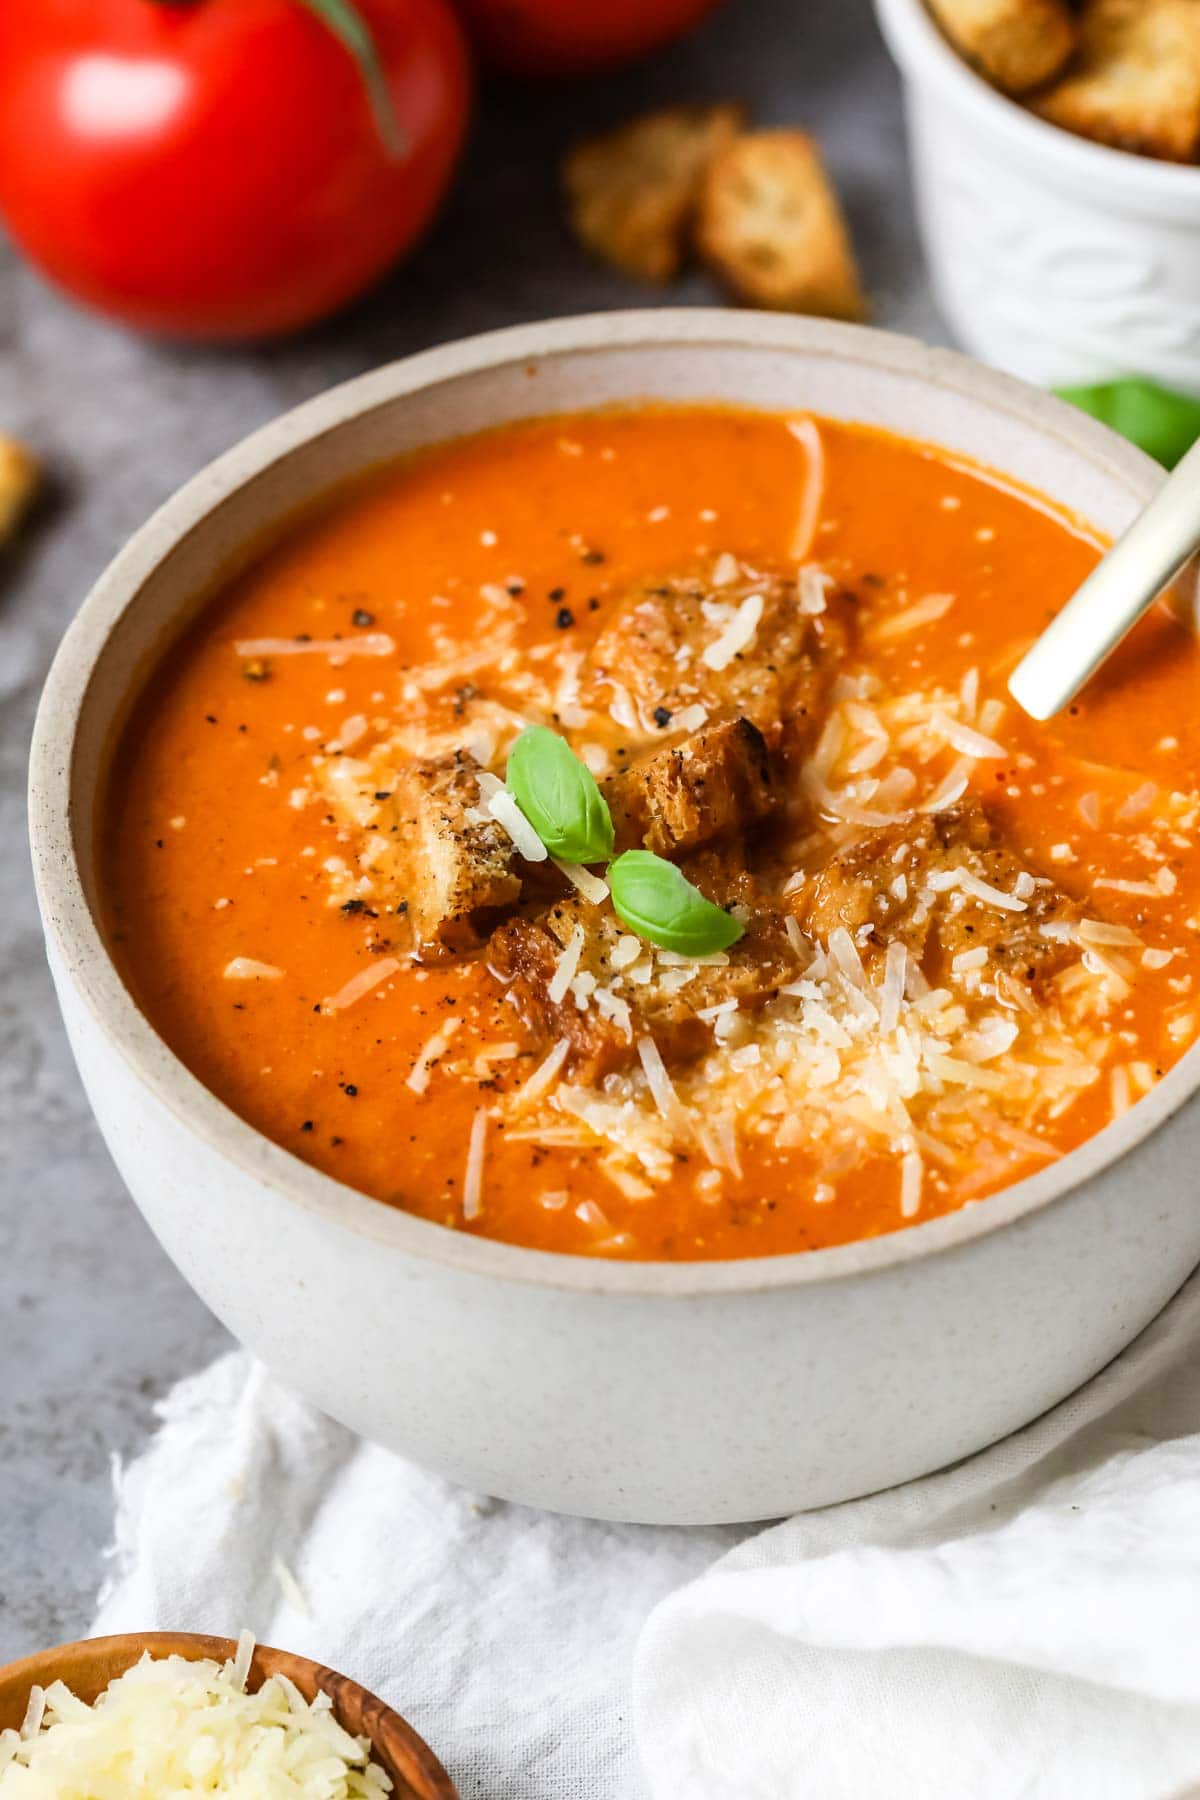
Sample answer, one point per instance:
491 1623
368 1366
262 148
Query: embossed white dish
1058 259
678 1392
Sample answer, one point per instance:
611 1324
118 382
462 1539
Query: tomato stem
343 19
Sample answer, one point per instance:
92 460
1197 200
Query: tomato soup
777 648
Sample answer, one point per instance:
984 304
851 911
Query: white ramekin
679 1392
1058 259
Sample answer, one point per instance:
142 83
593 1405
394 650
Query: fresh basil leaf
558 795
1158 421
657 900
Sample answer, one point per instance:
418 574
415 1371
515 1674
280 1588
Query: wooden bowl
88 1666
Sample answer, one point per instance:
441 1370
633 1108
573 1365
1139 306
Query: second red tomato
574 37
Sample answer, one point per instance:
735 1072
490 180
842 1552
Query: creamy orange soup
781 646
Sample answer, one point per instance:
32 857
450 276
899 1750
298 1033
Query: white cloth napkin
1025 1626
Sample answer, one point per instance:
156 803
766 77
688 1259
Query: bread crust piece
1017 45
448 867
19 478
632 192
859 889
524 951
771 225
1135 83
652 650
713 784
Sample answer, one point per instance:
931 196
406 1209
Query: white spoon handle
1122 586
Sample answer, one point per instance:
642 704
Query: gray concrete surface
94 1322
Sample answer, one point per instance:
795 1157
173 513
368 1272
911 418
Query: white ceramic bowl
1058 259
651 1391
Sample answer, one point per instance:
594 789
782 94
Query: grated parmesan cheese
173 1726
434 1047
964 738
737 636
975 958
1147 890
589 885
245 968
805 431
922 612
565 966
812 585
381 970
912 1176
660 1085
511 819
472 1204
545 1074
373 643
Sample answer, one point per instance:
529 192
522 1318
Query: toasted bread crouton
712 784
1135 83
19 477
660 651
632 192
619 1001
771 225
1016 44
449 866
856 889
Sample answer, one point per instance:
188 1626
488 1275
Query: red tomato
214 168
574 37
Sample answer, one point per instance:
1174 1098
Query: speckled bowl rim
1122 176
77 942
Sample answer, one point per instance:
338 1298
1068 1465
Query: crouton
618 1003
860 890
632 192
659 654
449 867
1016 44
1135 83
771 225
19 477
713 783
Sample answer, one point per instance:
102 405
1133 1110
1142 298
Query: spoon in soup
1124 584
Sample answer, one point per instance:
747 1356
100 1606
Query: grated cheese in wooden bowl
171 1726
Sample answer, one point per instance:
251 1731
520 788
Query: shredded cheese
565 966
659 1083
372 643
922 612
589 885
511 819
472 1201
434 1047
172 1726
246 968
382 969
912 1175
965 739
545 1075
808 515
737 636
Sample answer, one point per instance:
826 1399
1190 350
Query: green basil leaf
1163 424
657 900
558 795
